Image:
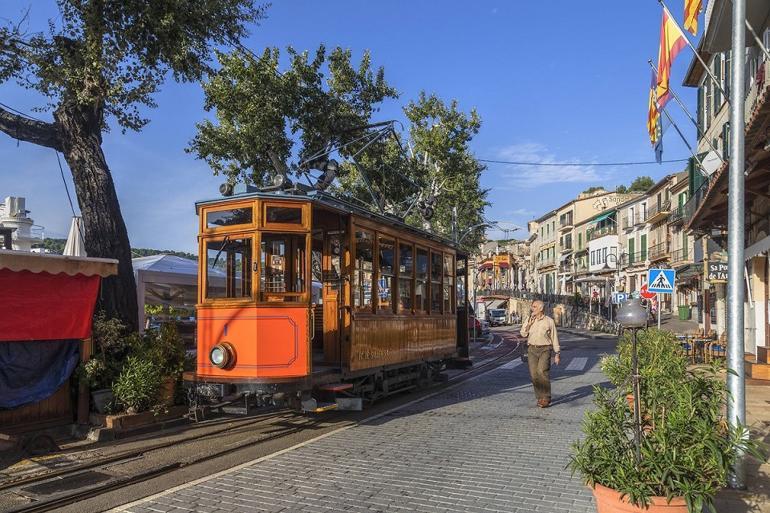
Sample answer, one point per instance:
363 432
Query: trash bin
684 312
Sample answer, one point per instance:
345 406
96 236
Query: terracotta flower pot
609 501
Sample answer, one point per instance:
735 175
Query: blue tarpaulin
31 371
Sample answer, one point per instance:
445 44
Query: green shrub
138 385
687 447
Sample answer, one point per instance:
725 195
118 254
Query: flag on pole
653 121
692 9
672 40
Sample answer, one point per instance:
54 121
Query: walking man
542 338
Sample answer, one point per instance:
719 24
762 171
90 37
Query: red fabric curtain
42 306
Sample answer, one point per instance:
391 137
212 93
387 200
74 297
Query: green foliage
687 447
593 189
259 109
56 246
138 385
163 346
115 54
322 100
641 184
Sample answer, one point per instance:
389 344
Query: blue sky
557 81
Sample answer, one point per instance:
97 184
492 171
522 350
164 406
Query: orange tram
313 302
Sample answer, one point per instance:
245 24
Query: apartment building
560 240
632 238
705 212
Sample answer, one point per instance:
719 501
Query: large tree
102 61
322 101
318 101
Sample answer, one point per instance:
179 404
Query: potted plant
686 448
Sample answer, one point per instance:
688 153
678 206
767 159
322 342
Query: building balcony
566 247
681 256
658 213
546 262
630 222
677 215
659 252
634 259
598 233
566 222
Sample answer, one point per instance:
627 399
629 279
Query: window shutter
718 74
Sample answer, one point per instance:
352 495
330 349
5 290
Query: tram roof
335 203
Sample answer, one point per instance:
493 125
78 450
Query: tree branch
29 130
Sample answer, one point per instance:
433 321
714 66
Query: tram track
272 419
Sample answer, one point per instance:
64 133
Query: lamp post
633 316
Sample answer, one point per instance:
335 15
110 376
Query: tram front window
228 268
283 268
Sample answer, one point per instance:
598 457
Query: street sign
619 298
661 280
646 294
717 272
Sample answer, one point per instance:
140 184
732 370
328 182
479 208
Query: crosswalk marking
512 364
577 364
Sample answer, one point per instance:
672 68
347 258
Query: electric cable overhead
579 164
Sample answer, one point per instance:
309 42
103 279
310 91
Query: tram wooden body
306 298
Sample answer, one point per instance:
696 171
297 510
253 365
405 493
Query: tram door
333 286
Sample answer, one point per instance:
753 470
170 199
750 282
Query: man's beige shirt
542 333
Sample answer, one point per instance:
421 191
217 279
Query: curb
594 335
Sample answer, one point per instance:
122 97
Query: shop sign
717 272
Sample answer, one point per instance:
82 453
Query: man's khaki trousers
539 358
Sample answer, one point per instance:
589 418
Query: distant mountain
56 246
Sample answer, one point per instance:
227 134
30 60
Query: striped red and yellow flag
692 9
653 114
672 40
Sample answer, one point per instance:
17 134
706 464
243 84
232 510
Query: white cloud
511 177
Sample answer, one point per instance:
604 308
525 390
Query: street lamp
633 316
617 259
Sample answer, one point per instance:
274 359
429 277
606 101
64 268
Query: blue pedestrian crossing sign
661 281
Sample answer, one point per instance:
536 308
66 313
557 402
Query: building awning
688 272
497 303
602 217
589 279
756 249
564 257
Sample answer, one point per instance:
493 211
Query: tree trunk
79 132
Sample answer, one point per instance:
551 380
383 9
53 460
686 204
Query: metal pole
637 405
660 307
736 386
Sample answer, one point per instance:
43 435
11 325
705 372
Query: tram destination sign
717 272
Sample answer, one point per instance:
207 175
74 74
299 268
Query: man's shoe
540 403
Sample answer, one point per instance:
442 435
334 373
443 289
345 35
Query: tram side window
449 282
387 250
405 275
435 282
364 270
421 272
228 268
282 267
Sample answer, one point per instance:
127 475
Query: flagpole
695 51
736 231
701 134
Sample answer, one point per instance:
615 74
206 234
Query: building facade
705 211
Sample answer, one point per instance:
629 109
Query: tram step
336 387
322 407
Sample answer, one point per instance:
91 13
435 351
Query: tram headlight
222 355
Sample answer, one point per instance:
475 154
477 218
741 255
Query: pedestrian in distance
542 340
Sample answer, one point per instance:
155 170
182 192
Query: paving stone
480 447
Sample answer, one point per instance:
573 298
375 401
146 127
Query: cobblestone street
481 446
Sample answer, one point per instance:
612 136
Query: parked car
482 327
497 317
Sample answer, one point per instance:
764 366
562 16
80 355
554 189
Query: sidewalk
482 446
581 332
757 496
